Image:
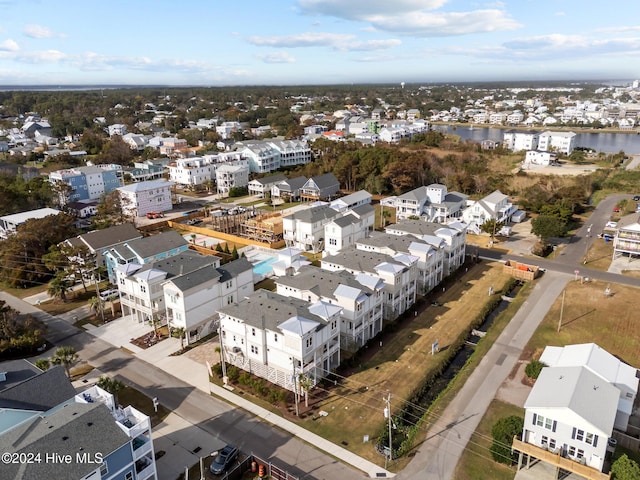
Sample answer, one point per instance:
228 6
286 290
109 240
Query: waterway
600 142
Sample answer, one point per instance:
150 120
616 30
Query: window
333 242
104 469
580 453
253 332
275 337
229 299
143 289
580 435
128 476
589 438
254 349
309 342
572 451
230 284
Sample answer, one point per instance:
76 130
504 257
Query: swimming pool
264 267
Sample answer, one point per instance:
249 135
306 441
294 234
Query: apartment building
140 198
432 203
85 183
231 176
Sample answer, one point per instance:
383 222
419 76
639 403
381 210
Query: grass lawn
379 219
400 365
131 396
476 462
590 316
75 300
24 292
599 254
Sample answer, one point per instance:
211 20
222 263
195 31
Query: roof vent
65 438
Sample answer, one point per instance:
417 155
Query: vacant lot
355 406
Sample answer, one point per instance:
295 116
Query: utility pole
561 311
387 415
225 379
295 387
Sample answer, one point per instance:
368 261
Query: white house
304 229
289 261
627 239
432 203
563 142
192 299
570 411
343 231
9 223
538 158
602 363
361 197
231 176
495 206
454 235
361 302
261 187
281 338
117 129
288 189
399 274
517 140
192 171
140 198
431 254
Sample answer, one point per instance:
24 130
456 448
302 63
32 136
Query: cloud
361 9
276 57
41 56
302 40
9 46
619 30
413 17
369 45
38 31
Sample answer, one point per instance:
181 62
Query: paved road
213 416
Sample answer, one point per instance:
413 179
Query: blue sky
292 42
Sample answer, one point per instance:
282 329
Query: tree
546 226
65 356
179 332
111 385
306 383
42 363
625 469
491 226
96 304
503 432
58 287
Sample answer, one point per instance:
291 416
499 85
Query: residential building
495 206
99 242
597 360
231 176
432 203
145 171
454 235
192 299
84 209
288 189
322 187
289 261
172 146
399 274
192 171
140 198
538 158
516 140
117 129
304 229
431 254
33 126
281 338
571 412
261 187
141 286
136 141
562 142
10 223
343 231
627 238
361 197
85 183
360 301
269 155
43 414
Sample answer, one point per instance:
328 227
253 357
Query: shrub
503 432
625 469
233 373
533 368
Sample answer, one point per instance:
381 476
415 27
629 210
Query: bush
503 432
625 469
233 373
533 368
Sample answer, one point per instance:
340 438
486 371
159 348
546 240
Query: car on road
223 459
636 198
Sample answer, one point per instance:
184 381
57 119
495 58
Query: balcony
559 461
145 468
142 446
96 394
132 422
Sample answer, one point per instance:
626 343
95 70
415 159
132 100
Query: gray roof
358 260
292 183
314 214
110 236
77 427
153 245
325 180
180 264
397 243
627 220
453 198
208 272
416 227
363 209
145 186
17 371
415 194
40 392
321 282
271 179
264 309
346 220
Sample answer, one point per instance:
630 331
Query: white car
107 294
611 225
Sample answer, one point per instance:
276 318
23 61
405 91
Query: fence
271 470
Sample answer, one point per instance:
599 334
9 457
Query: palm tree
385 215
58 288
111 385
96 304
65 356
179 332
155 321
42 363
305 383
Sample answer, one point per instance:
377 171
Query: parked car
107 294
616 209
636 198
223 459
611 225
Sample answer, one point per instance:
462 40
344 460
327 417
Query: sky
298 42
